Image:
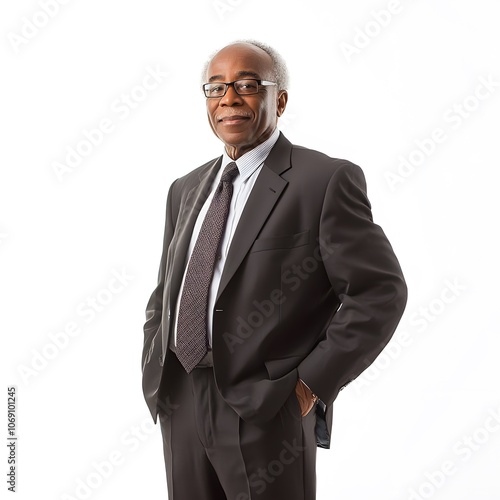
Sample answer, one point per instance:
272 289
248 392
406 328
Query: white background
427 401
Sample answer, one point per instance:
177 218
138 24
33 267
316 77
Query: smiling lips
235 119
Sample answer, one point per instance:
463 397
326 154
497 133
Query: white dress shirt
249 166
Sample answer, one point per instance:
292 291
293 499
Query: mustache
245 114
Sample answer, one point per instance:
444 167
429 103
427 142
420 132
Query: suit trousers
211 453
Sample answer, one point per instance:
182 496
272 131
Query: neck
236 151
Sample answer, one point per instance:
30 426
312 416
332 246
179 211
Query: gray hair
279 66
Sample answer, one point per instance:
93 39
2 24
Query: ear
281 103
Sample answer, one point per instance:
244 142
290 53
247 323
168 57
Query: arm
155 303
366 276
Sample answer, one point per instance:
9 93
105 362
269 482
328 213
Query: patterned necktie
192 338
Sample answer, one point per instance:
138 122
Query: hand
306 398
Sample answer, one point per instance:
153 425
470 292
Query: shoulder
315 163
193 178
197 174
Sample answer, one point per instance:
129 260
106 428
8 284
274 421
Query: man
275 290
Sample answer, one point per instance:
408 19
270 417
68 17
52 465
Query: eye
216 89
247 85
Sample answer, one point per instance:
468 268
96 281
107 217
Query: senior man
275 290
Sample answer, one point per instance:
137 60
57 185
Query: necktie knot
230 172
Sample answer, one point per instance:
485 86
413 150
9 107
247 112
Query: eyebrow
239 74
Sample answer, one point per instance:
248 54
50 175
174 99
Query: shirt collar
248 162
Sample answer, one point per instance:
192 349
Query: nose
231 98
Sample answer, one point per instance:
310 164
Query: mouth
232 119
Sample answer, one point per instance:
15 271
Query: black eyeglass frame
227 84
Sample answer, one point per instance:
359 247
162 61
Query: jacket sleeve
155 303
365 275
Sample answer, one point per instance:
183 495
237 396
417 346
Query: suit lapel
264 195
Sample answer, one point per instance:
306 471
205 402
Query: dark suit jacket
311 287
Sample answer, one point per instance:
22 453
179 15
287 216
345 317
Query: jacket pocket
277 242
276 368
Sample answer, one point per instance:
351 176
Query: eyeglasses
241 87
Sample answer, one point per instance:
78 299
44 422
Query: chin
234 140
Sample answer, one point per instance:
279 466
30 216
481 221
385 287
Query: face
243 122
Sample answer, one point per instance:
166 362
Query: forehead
238 60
